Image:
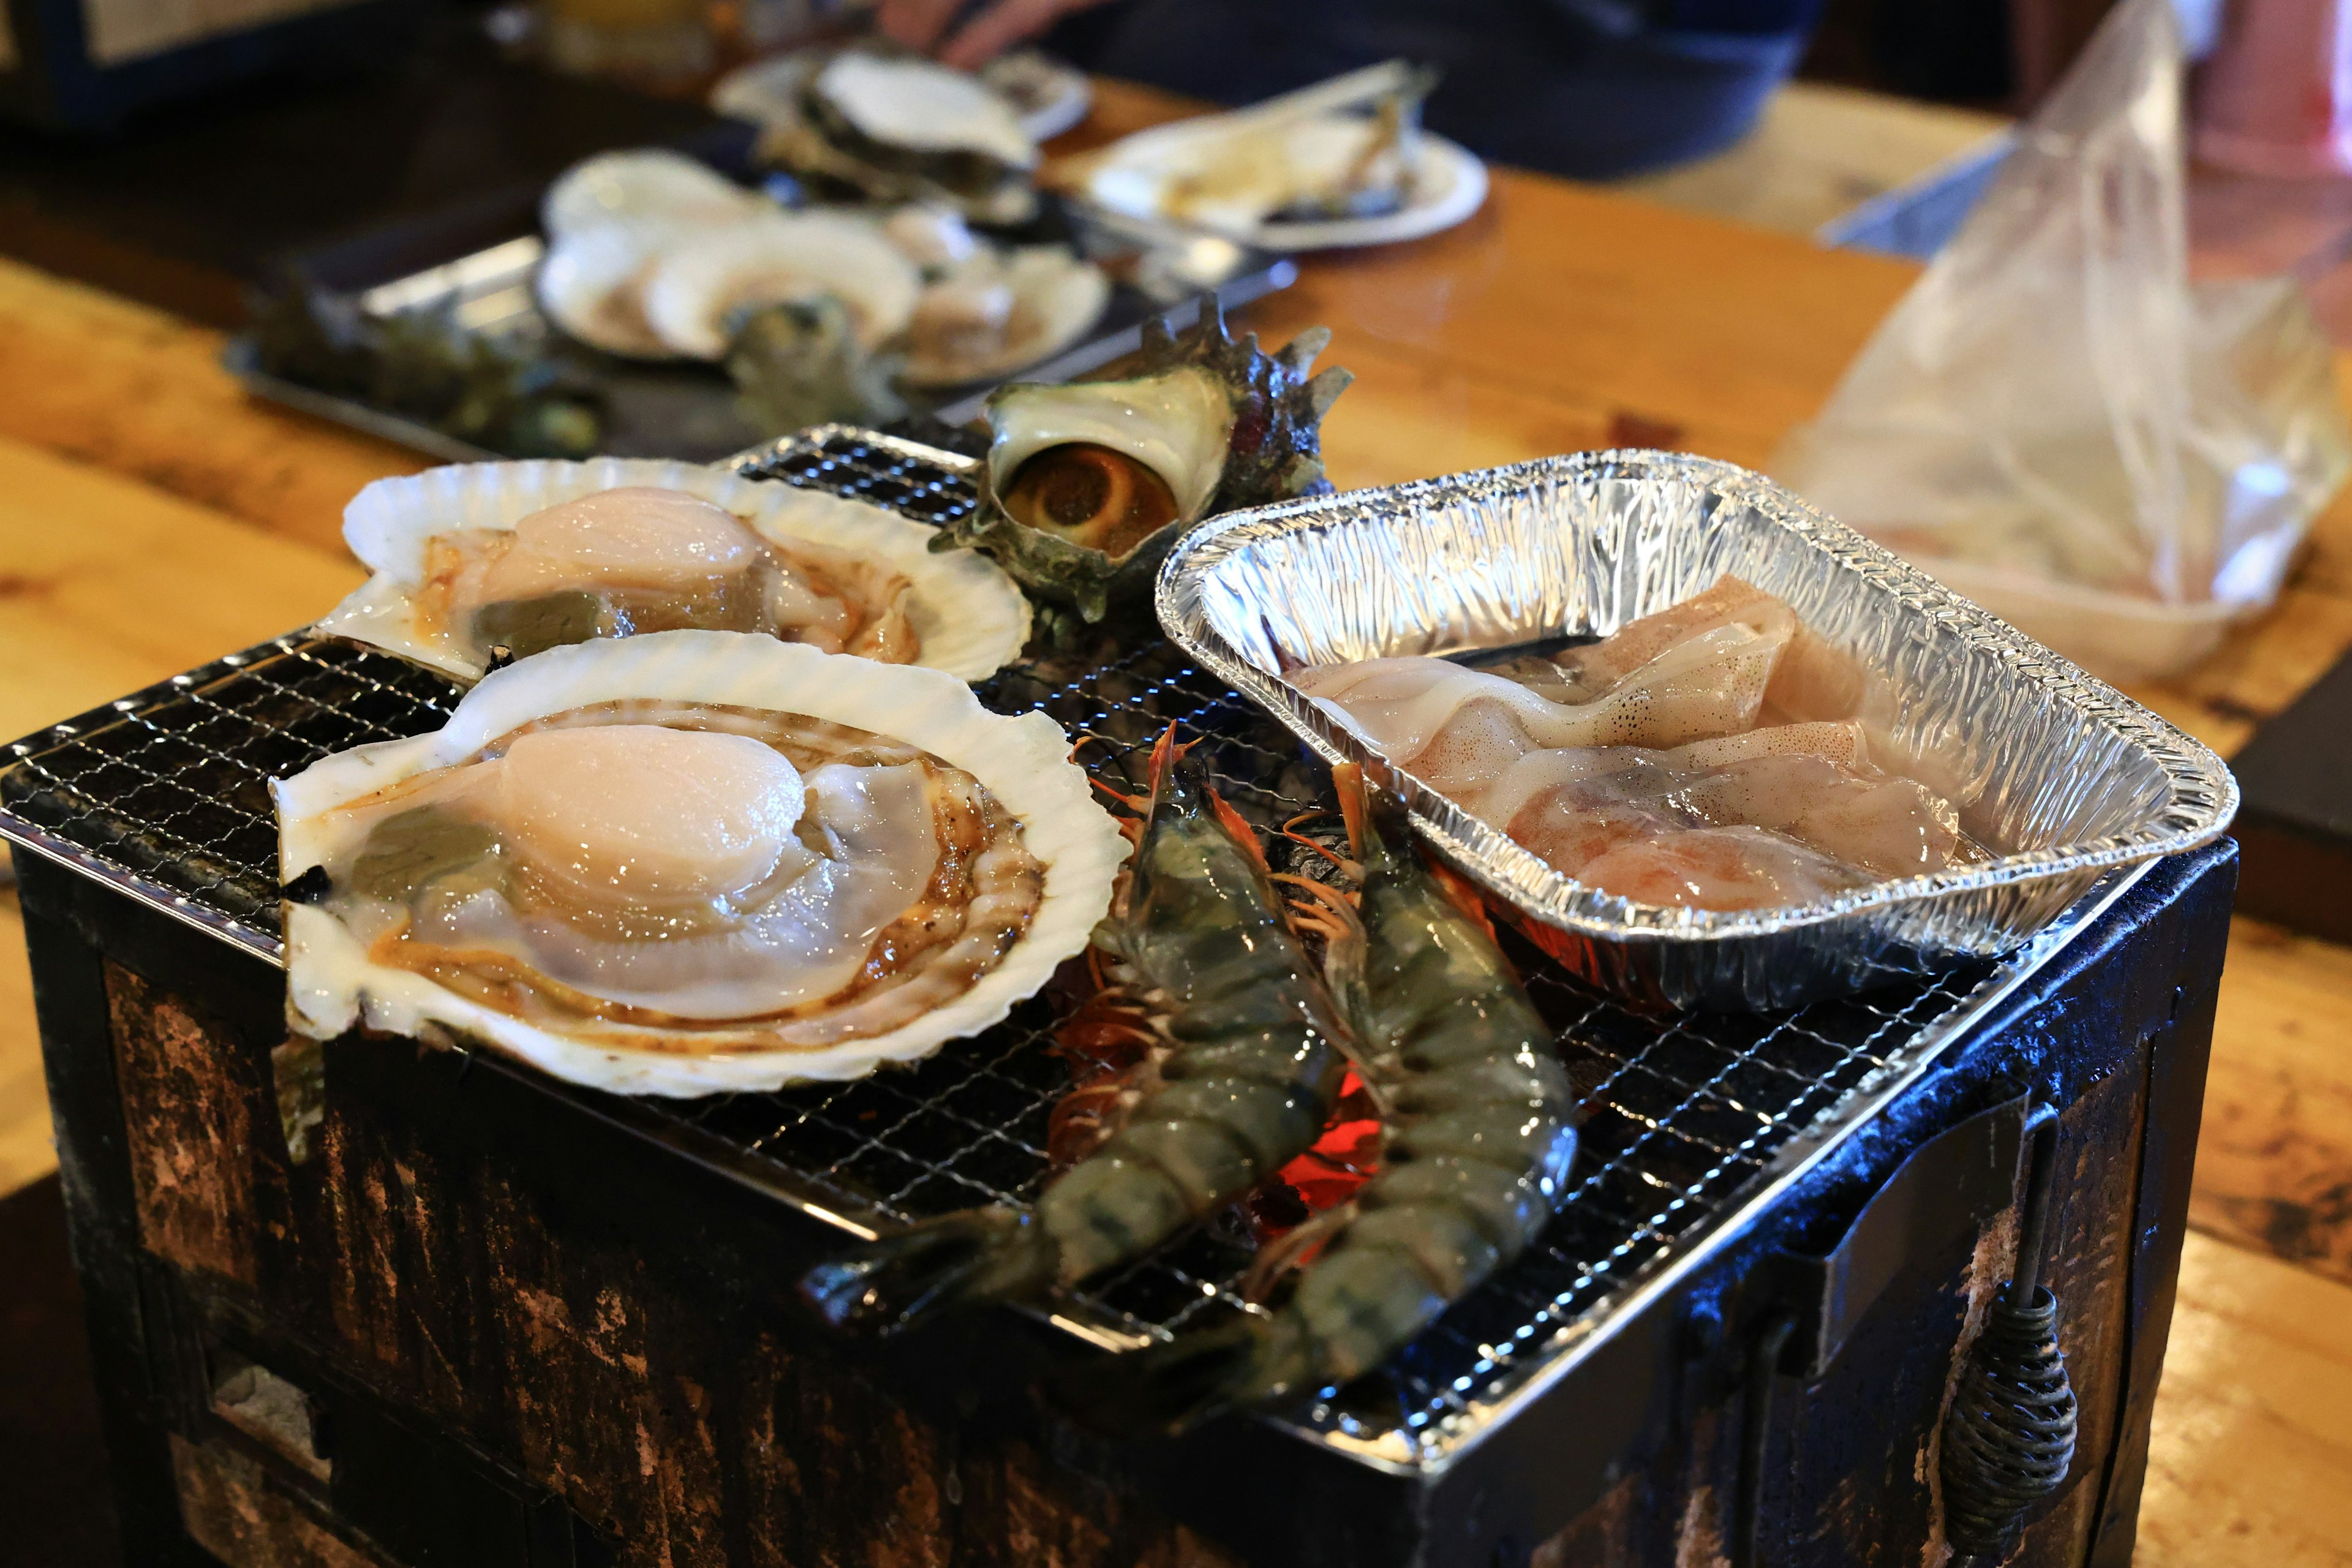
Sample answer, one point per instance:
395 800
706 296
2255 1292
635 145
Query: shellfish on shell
994 314
692 862
695 290
643 185
1087 483
535 554
899 127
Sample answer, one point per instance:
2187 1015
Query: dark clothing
1585 88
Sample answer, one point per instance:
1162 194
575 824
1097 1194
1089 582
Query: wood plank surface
2250 1460
27 1155
128 389
151 516
110 585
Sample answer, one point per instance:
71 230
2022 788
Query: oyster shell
1089 483
671 865
965 616
897 128
694 289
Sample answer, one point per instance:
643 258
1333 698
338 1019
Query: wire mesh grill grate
166 792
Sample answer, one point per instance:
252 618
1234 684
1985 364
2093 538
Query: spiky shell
332 984
1272 411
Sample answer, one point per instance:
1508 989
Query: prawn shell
970 617
331 985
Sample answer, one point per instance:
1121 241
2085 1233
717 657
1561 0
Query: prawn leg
1246 1064
1480 1134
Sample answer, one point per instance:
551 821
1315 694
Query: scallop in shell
592 286
693 862
695 289
993 314
533 554
645 185
1089 483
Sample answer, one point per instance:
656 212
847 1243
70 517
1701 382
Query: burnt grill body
530 1327
494 1319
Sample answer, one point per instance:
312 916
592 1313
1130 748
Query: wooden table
151 518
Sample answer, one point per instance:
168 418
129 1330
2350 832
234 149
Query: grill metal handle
2009 1437
1756 1432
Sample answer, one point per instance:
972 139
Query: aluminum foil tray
2060 774
1694 1124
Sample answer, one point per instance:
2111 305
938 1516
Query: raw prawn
1237 1076
1480 1133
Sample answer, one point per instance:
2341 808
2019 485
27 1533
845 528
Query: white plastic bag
2058 424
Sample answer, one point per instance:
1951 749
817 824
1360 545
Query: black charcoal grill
1740 1335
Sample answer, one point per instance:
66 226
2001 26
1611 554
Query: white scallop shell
1058 297
791 255
592 285
646 184
970 617
331 986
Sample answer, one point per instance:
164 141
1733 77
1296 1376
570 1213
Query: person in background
1591 88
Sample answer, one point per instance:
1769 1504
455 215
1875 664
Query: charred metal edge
1425 1458
1794 1160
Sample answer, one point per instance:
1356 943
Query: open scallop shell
970 616
333 985
1056 298
592 286
692 289
643 185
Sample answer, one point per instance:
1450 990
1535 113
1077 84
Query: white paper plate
1450 187
1049 95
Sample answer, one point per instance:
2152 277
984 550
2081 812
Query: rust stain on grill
188 1116
234 1512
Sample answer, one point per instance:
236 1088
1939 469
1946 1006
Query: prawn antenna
895 1282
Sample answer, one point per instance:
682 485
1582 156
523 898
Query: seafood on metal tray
1239 1065
1087 484
692 861
1478 1133
524 556
1715 755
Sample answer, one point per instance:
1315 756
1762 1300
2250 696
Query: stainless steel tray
2067 776
688 411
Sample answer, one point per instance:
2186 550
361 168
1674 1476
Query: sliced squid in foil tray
2059 779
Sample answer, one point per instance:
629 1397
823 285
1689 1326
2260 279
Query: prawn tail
954 1261
1169 1388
